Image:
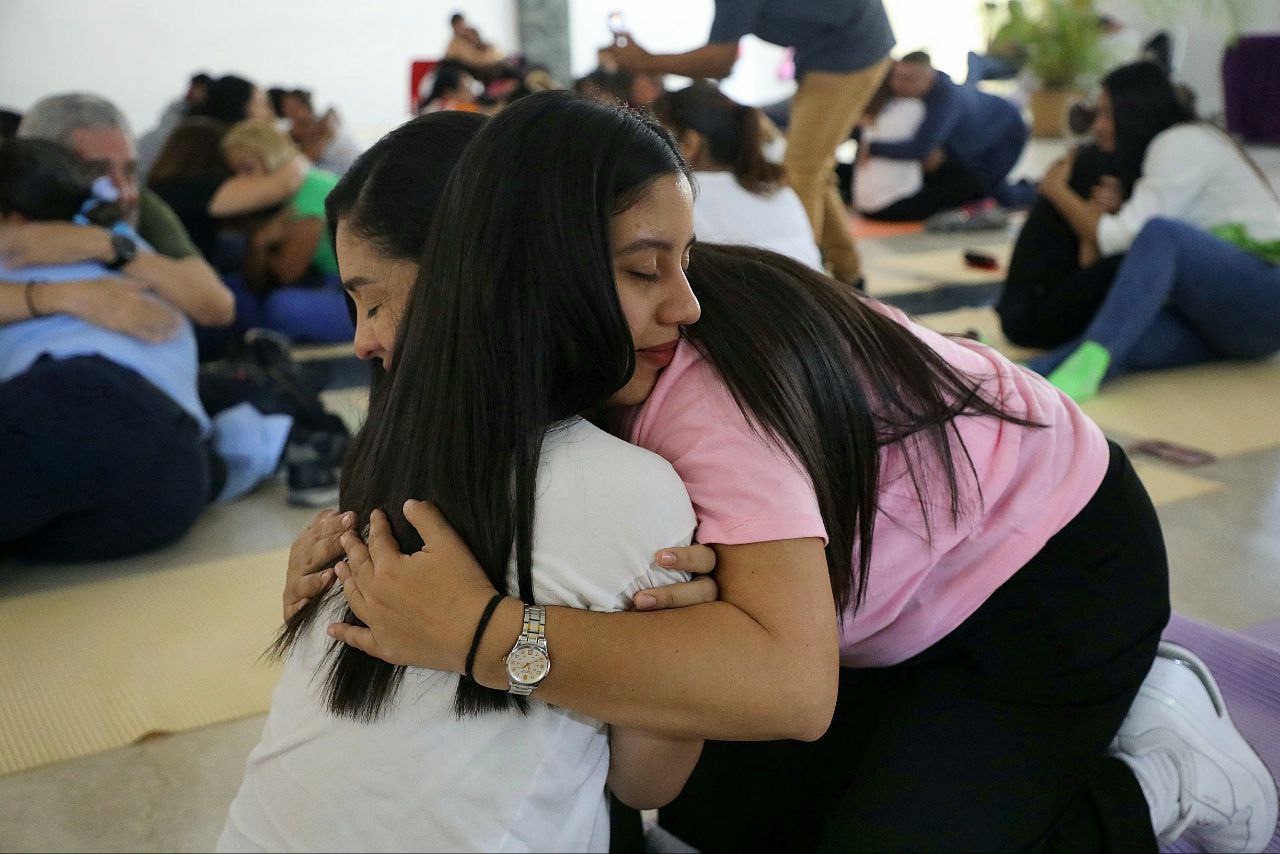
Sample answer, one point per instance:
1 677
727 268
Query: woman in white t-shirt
741 197
359 755
880 181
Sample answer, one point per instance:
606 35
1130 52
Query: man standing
99 135
841 55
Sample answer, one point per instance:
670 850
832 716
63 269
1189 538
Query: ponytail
755 172
734 133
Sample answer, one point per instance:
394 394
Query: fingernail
348 517
644 600
410 503
328 575
331 632
667 558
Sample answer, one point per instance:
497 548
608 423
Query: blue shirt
828 35
965 122
170 366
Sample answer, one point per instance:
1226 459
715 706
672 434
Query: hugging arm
760 664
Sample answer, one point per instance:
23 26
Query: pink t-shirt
1033 482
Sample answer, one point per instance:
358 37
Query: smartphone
980 260
617 25
1179 455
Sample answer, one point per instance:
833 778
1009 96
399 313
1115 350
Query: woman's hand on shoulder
311 559
419 609
697 559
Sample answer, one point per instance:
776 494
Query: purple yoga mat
1247 668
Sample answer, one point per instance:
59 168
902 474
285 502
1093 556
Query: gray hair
56 117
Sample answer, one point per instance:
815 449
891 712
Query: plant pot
1049 111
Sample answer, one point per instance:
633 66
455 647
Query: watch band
532 633
126 250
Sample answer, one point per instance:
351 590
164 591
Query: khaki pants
823 114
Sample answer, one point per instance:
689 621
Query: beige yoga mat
99 665
1166 486
1226 408
984 321
947 265
349 404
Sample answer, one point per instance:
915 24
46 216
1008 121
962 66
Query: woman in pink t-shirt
996 570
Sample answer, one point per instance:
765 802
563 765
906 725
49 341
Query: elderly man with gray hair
99 135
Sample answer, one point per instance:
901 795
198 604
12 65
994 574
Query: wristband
475 639
29 293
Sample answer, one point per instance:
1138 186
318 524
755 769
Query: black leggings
993 739
1048 299
951 186
95 462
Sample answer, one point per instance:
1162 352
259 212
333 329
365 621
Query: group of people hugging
651 508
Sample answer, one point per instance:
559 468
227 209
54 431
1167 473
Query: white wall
352 55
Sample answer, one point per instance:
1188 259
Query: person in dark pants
1021 698
1048 297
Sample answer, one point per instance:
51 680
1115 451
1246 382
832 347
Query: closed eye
648 277
372 311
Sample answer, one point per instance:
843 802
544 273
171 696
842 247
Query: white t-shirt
419 779
881 181
1193 173
724 212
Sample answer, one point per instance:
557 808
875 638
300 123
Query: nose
681 307
366 344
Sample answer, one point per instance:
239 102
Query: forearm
16 302
188 284
1079 214
647 771
714 60
707 671
248 193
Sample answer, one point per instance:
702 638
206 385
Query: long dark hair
192 151
228 99
834 380
1144 104
513 327
41 180
734 133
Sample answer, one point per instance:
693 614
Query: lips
661 355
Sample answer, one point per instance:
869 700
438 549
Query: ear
693 146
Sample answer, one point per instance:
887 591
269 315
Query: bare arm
248 193
188 284
114 304
762 664
647 771
710 60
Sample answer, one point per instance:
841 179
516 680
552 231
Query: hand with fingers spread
696 559
420 609
311 559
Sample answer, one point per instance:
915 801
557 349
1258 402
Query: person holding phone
841 55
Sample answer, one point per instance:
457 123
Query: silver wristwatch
528 663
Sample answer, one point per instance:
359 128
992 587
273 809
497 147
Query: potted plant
1062 43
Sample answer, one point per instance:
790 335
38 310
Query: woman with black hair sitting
1152 158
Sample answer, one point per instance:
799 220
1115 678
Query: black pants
951 186
1048 299
993 739
95 462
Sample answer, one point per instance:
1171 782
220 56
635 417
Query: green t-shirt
160 226
309 202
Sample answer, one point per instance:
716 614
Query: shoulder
1186 145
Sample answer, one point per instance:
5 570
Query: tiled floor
171 793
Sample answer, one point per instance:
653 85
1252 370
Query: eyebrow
652 243
356 282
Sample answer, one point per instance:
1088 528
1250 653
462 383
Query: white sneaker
1227 797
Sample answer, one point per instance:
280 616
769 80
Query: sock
1161 785
1081 374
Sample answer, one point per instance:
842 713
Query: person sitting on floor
1147 138
1181 296
971 139
104 451
452 88
321 138
97 132
290 260
742 197
880 183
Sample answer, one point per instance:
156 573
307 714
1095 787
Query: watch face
528 664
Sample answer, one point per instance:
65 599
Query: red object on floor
419 70
869 228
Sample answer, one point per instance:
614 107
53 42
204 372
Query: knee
1163 232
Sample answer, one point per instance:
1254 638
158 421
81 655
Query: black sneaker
313 459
